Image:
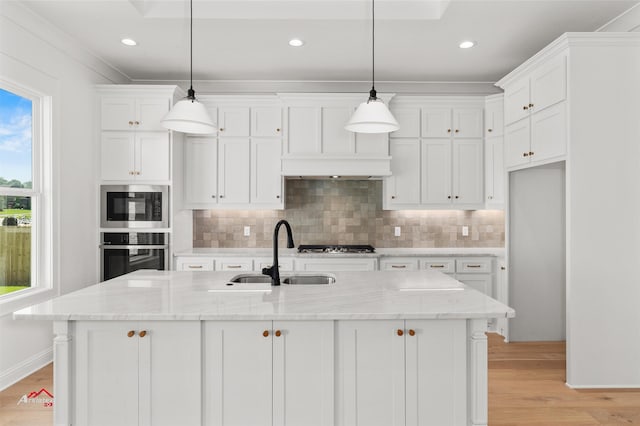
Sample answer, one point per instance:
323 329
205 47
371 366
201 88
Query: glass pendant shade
189 116
372 117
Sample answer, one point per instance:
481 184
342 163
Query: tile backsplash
347 212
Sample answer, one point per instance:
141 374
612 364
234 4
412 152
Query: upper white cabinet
442 164
134 146
233 170
317 144
201 170
494 116
494 165
233 121
266 121
266 178
535 114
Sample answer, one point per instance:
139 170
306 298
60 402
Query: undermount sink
298 279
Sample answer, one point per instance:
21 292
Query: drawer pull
195 266
399 266
474 266
436 266
234 266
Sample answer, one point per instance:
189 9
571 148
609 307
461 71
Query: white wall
36 55
603 216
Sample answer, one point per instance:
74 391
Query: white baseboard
25 368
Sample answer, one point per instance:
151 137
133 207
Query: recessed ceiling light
296 42
128 42
467 44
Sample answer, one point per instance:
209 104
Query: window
20 190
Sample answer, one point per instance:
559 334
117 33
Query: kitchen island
185 348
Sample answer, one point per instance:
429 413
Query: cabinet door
266 171
170 373
194 264
106 379
149 113
395 264
481 282
233 170
333 265
548 133
516 143
467 123
436 171
468 172
372 143
303 387
266 121
549 84
494 117
371 388
303 130
409 121
118 113
436 372
516 101
234 264
233 121
403 187
436 122
152 156
117 156
494 170
200 170
238 384
335 139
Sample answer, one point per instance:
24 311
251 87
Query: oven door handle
138 247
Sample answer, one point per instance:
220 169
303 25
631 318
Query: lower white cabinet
481 282
234 264
194 264
333 265
399 264
137 373
269 373
284 264
418 375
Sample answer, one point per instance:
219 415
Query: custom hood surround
317 144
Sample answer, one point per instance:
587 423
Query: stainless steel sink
251 279
317 279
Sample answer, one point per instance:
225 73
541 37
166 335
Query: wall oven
134 206
124 252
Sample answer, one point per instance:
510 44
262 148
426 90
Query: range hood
355 166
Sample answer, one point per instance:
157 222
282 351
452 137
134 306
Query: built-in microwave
134 206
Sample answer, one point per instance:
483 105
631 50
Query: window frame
41 286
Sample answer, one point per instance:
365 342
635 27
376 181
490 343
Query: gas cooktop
335 248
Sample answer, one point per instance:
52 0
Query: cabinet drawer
446 265
472 265
194 264
266 262
399 264
334 265
234 264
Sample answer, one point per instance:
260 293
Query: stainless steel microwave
134 206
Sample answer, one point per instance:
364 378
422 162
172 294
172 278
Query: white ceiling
416 40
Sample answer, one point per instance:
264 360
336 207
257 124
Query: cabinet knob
138 173
412 332
457 197
131 173
530 153
213 196
457 131
448 130
142 333
490 197
400 332
530 105
131 333
525 107
525 154
278 333
265 333
502 268
489 130
222 196
137 123
131 123
393 197
449 196
278 130
277 196
221 129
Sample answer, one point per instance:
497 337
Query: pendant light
372 116
188 115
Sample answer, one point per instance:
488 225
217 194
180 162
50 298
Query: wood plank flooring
526 387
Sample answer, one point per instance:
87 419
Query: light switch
396 231
465 231
247 231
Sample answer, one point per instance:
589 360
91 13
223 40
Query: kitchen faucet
274 271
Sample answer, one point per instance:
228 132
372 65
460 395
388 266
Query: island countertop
182 295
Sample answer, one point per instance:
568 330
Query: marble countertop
183 295
380 252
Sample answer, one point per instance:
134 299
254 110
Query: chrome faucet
274 271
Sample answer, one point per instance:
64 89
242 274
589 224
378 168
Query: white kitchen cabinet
481 282
201 170
266 121
137 373
467 122
403 186
269 373
517 144
476 272
194 264
135 156
335 139
494 171
233 264
436 171
494 116
399 263
409 120
418 376
436 122
285 264
233 170
459 122
266 172
131 113
335 264
304 127
468 170
233 121
445 265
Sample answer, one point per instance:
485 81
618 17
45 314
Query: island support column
477 365
61 374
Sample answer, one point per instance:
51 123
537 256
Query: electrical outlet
396 231
465 231
247 231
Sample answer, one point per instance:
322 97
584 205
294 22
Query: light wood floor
526 387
